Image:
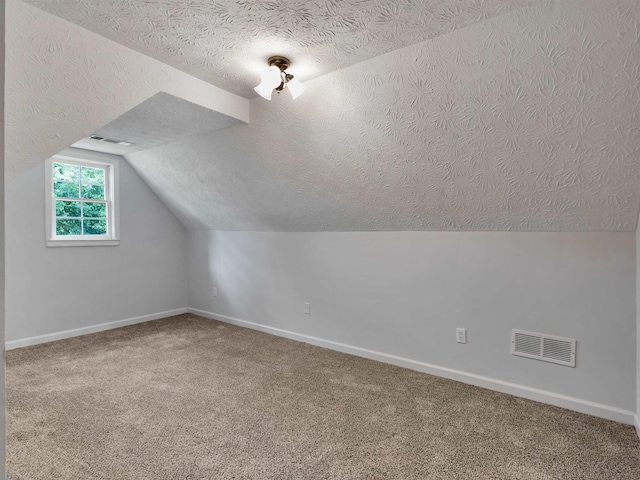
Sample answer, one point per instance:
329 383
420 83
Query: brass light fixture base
277 74
281 62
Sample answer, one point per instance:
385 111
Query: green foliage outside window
88 214
92 176
95 192
94 210
95 227
68 209
68 226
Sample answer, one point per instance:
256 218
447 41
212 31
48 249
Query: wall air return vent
110 140
544 347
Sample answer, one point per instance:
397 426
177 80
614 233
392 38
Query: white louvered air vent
544 347
110 140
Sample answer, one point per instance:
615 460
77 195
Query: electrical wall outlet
307 308
461 335
215 291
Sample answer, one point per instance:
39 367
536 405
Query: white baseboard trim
50 337
584 406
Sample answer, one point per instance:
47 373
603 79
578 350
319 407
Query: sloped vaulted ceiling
227 42
524 121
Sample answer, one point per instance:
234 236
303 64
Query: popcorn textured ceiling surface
227 42
63 82
525 122
160 120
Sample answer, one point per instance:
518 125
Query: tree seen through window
80 203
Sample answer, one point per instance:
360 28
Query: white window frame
111 190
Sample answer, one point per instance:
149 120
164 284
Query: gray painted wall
62 288
404 293
3 442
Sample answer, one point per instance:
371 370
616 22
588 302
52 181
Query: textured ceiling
64 82
157 121
528 121
227 42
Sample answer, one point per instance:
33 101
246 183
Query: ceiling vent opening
110 140
544 347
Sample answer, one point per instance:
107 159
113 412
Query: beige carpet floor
190 398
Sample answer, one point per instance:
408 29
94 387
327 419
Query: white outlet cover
307 308
461 335
215 291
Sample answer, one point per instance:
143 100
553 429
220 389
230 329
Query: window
81 200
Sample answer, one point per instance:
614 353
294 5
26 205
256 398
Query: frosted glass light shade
296 88
264 91
270 79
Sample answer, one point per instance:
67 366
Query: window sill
82 243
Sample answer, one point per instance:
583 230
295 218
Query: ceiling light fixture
275 78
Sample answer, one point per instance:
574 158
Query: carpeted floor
190 398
